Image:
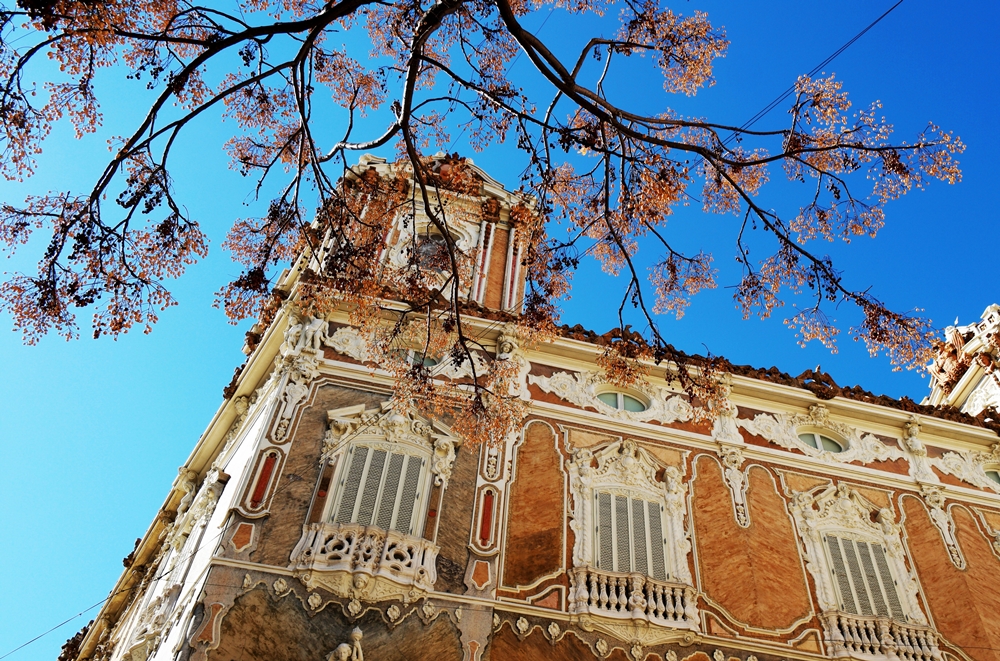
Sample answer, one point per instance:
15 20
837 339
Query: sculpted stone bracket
941 516
782 429
843 512
624 467
364 562
581 388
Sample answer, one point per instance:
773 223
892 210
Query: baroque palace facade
808 522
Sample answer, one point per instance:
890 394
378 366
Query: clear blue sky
98 428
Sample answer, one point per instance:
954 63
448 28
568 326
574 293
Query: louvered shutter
351 485
380 488
892 596
840 575
861 572
624 546
656 541
605 533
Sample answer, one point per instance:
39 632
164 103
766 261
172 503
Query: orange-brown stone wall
965 604
535 520
498 265
754 573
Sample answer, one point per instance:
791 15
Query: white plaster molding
782 429
970 466
934 497
841 511
736 480
581 388
349 342
987 393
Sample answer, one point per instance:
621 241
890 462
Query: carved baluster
649 591
876 646
622 594
925 645
866 643
659 601
904 643
834 626
604 592
636 598
886 641
595 593
851 635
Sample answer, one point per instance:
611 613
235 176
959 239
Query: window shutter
409 496
345 513
373 480
605 532
656 541
874 589
895 609
641 564
390 491
840 575
621 534
860 591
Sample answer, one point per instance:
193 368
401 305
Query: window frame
620 400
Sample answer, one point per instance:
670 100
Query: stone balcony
364 562
633 597
879 638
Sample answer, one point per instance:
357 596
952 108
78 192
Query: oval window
820 442
623 402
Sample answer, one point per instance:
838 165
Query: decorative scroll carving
736 480
580 388
301 369
626 469
356 424
349 342
782 429
364 562
986 394
970 466
920 466
934 497
843 512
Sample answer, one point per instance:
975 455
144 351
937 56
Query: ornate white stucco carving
987 393
782 429
841 511
389 429
349 342
581 388
970 466
736 480
934 497
301 368
303 332
624 468
920 466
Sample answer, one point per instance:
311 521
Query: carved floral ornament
388 429
582 388
783 429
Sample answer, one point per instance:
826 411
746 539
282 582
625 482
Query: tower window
622 401
862 577
630 535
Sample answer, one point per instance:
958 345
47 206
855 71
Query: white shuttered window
381 488
630 535
861 573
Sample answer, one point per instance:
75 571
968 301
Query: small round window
820 442
621 401
993 474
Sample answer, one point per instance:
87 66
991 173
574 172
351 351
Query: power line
784 95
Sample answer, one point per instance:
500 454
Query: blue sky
99 428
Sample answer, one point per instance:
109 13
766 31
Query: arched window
821 441
622 401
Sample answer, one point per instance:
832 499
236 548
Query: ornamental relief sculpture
970 466
581 388
782 429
